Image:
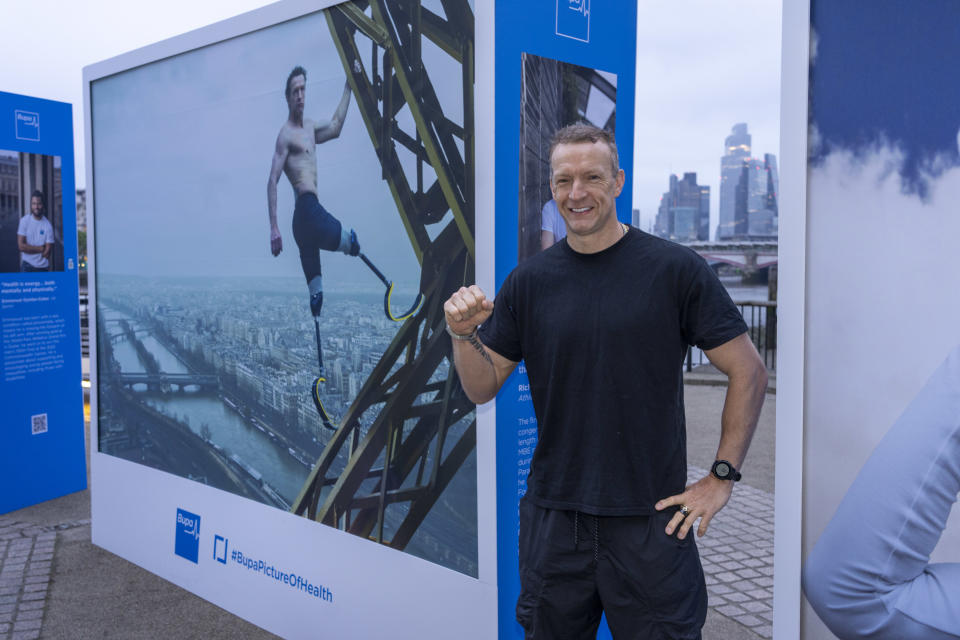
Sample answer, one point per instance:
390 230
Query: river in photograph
207 414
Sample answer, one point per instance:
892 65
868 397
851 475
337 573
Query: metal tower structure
423 426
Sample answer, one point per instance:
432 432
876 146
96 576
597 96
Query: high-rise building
748 190
736 155
684 213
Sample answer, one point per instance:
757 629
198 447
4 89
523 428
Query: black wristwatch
724 471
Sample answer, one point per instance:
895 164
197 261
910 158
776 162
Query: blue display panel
41 428
557 62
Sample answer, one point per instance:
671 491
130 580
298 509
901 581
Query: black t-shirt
604 336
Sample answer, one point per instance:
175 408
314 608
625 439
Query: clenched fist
467 308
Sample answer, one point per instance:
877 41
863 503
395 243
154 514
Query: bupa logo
187 542
573 19
28 125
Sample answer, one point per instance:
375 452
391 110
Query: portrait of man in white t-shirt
35 236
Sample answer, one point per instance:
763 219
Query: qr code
38 424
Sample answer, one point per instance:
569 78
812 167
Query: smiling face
36 207
585 187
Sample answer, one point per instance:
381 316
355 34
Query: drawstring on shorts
596 534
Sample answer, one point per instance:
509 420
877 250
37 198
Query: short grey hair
583 132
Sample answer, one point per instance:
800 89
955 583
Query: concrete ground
55 584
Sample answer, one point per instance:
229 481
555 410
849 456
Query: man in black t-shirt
603 320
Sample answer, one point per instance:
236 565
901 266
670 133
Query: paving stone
33 634
760 594
737 597
764 581
731 610
765 630
748 620
719 589
40 586
7 608
34 614
716 601
755 607
26 625
6 617
4 627
748 573
29 606
732 565
35 595
726 576
8 599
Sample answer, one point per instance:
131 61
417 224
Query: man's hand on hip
703 499
466 309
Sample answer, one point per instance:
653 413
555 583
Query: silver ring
685 510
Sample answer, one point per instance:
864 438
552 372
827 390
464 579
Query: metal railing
761 319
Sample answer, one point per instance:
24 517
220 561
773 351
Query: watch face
723 470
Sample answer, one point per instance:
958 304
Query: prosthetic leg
389 294
316 302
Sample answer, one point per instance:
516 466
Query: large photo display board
282 202
882 387
41 428
558 62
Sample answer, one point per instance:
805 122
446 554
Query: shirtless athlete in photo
295 155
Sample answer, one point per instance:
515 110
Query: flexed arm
276 168
332 129
482 371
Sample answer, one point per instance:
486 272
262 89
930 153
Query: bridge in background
171 381
750 256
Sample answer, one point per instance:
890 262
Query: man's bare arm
747 384
24 247
482 371
332 129
47 248
276 168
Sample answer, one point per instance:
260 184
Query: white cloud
883 310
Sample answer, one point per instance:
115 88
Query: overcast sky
702 67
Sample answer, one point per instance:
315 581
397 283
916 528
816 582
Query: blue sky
894 83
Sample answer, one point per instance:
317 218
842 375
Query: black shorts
575 566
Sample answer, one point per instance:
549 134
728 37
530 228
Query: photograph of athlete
35 237
314 228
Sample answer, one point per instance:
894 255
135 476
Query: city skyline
695 81
748 205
